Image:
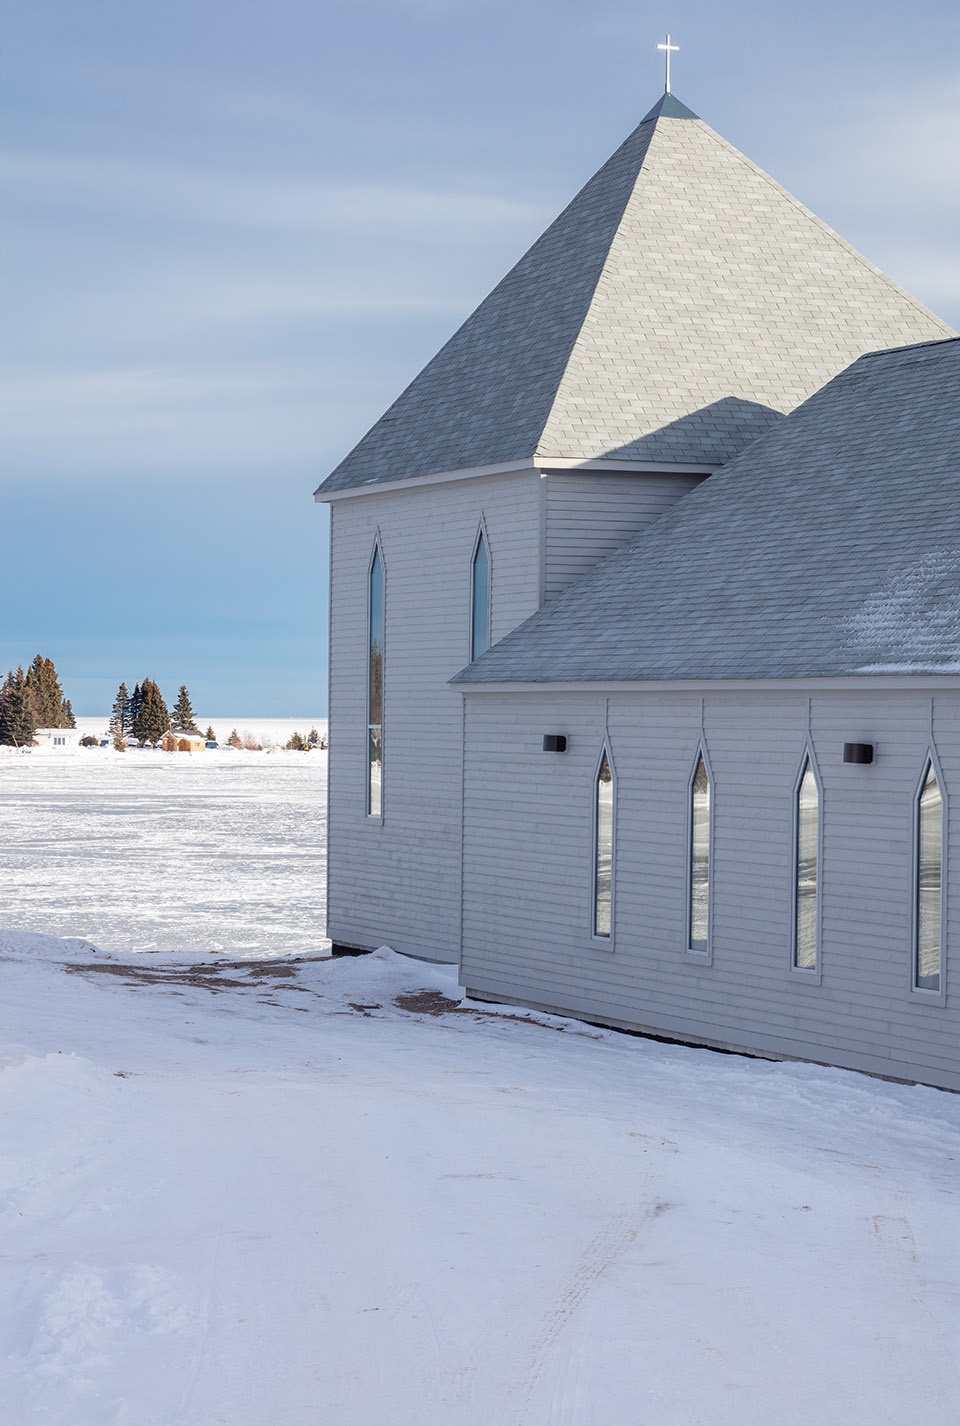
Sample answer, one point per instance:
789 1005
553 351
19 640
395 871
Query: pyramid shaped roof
679 304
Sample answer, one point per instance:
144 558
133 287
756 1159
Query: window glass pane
930 872
375 785
480 638
376 640
699 858
603 887
375 709
807 871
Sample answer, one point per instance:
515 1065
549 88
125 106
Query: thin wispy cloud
888 182
128 421
300 205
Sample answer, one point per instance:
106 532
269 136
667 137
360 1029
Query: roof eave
545 465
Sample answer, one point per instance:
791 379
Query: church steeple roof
668 106
680 302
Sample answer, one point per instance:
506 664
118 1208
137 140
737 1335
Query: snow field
151 851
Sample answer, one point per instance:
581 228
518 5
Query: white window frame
482 534
604 942
705 957
811 975
918 993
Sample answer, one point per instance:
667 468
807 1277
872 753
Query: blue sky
234 230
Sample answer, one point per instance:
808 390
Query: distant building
58 740
178 741
694 778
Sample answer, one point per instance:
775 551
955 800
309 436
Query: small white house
58 740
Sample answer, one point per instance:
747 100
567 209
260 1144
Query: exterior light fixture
858 752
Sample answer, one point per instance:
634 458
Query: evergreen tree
183 713
210 736
17 720
235 740
313 738
50 708
153 720
119 741
296 744
68 714
136 703
121 719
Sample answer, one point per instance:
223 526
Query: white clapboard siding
396 882
590 515
527 877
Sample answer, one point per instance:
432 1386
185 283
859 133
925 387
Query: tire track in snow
609 1244
207 1326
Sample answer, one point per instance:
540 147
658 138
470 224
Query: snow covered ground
145 851
292 1190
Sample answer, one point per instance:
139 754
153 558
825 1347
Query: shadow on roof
711 435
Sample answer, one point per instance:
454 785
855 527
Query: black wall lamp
554 742
858 752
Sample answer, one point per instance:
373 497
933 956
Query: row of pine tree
32 700
143 714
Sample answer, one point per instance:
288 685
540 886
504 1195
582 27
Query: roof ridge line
848 247
909 347
538 454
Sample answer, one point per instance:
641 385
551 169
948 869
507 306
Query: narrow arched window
699 889
603 850
480 599
806 871
375 688
929 883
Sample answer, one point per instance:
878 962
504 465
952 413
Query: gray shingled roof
830 547
680 300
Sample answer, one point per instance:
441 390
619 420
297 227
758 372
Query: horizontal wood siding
590 515
528 869
397 882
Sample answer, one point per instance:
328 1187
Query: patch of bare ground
434 1002
215 978
427 1002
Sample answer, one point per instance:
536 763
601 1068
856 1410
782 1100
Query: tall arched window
928 940
806 870
375 687
480 598
698 909
603 849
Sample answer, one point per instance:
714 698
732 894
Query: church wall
589 515
528 869
396 881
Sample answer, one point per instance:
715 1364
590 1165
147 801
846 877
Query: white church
645 632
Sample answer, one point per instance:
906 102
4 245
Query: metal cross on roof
670 49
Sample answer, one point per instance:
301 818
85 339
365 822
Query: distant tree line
143 714
32 700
